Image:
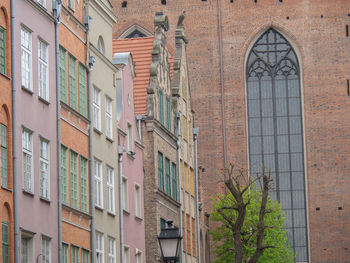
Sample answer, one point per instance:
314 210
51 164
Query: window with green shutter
85 256
65 253
3 153
162 223
74 254
72 82
168 114
64 175
84 185
2 50
167 177
5 243
174 178
160 171
63 75
73 179
161 107
82 90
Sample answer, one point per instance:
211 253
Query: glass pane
282 144
254 127
255 164
296 143
284 181
267 124
298 199
255 145
298 180
299 218
269 162
254 108
282 125
266 107
281 107
266 87
288 218
294 106
300 237
294 125
293 86
285 199
301 254
283 162
297 162
268 144
280 87
253 88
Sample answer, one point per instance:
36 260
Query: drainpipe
14 133
222 85
120 153
178 135
139 119
195 135
56 13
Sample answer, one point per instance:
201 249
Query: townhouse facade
36 134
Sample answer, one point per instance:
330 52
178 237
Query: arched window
275 130
101 45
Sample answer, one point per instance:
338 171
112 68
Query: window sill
138 218
109 139
27 193
27 90
126 212
131 155
97 131
111 213
99 207
44 100
45 200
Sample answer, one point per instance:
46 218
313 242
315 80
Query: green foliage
275 236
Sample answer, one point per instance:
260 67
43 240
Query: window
71 4
64 175
73 179
3 155
168 113
275 132
43 70
110 190
126 254
5 243
72 82
125 194
74 254
98 184
167 177
26 58
42 2
161 107
192 186
84 185
27 248
101 45
162 223
160 171
63 74
99 248
27 160
44 169
138 201
109 127
65 253
45 249
85 256
174 179
82 90
194 242
184 127
111 250
138 256
2 50
97 108
129 138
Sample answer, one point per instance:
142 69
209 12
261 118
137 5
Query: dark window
135 34
275 129
124 4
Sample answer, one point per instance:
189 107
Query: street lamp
169 242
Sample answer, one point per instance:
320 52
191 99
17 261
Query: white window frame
110 190
97 108
27 239
42 2
137 197
111 250
129 136
43 69
71 4
125 194
138 256
99 248
46 249
27 152
44 166
126 252
109 126
98 183
26 58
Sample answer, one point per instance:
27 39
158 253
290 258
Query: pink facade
133 216
36 130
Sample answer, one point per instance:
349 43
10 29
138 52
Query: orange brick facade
317 32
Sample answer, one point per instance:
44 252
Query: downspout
195 135
222 84
120 153
178 135
139 119
56 14
14 133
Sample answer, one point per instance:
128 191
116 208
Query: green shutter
168 114
74 254
63 75
64 253
167 177
161 107
174 176
3 153
84 185
72 82
2 50
73 179
64 175
82 90
85 256
160 171
162 224
5 243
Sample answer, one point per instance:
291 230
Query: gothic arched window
275 129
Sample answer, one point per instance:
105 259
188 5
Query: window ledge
44 100
138 218
97 131
111 213
109 139
131 155
44 199
99 207
126 212
27 192
7 189
4 74
27 90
